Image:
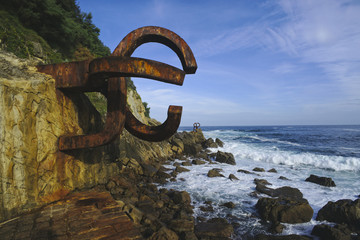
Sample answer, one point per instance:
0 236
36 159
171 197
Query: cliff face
32 117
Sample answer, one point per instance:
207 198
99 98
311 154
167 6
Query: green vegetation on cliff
54 30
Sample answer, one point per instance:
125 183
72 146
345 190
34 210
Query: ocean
294 151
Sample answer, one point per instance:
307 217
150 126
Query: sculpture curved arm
114 124
154 133
114 66
160 35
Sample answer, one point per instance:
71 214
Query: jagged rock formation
33 115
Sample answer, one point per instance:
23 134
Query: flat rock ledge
83 215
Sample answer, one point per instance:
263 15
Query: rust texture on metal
108 74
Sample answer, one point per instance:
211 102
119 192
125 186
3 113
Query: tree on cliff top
61 23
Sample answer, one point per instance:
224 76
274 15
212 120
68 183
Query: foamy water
289 162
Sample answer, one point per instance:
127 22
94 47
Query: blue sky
259 62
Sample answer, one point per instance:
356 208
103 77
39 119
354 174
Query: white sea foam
294 166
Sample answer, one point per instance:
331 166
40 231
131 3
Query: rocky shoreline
160 213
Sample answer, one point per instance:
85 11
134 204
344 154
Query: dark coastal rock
257 169
230 205
182 225
214 173
225 157
284 210
276 228
285 237
180 197
186 163
338 232
284 178
342 211
324 181
207 208
273 170
216 228
209 143
232 177
244 171
192 149
219 142
181 169
198 162
282 192
261 181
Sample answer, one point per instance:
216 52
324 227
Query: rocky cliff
32 117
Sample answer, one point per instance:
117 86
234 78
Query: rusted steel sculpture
107 75
196 126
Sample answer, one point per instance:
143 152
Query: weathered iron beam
109 73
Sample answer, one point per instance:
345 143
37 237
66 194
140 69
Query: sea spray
294 151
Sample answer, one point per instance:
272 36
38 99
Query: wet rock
339 232
324 181
284 210
283 192
284 178
342 211
214 173
261 181
207 208
232 177
219 142
230 205
277 228
244 171
216 228
198 162
273 170
181 169
285 237
257 169
186 163
209 143
225 157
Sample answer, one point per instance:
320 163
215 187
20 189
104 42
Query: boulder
324 181
244 171
198 162
186 163
273 170
284 210
225 157
219 142
209 143
257 169
181 169
261 181
284 178
342 211
232 177
283 192
215 228
338 232
214 173
230 205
